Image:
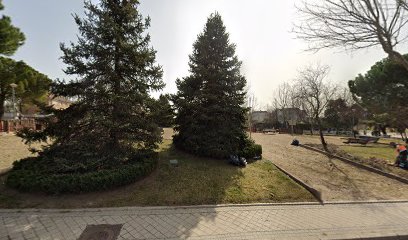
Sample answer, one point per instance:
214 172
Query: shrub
28 175
251 150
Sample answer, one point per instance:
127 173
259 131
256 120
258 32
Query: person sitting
402 156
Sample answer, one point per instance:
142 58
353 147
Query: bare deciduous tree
345 94
286 97
282 99
315 92
354 24
302 105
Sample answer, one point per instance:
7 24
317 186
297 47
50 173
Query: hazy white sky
260 28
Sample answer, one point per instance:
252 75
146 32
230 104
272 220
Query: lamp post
13 87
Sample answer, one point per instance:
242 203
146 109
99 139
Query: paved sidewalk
292 221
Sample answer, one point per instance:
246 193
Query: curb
348 161
317 194
158 208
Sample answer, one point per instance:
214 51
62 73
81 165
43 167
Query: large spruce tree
210 117
111 119
11 38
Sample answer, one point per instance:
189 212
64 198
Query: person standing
401 160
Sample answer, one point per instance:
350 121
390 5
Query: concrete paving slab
265 221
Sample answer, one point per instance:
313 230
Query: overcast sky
260 28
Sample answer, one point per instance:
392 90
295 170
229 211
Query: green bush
251 150
28 175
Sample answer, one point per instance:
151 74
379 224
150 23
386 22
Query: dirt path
336 180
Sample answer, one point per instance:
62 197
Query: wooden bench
370 139
361 141
273 131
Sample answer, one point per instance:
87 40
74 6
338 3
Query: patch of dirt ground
336 180
12 149
374 162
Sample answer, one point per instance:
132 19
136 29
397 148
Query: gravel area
336 180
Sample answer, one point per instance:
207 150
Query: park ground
336 180
12 149
199 181
196 181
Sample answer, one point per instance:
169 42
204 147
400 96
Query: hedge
251 150
31 180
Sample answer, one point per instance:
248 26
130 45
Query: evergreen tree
111 119
32 85
164 113
210 118
383 91
10 40
10 37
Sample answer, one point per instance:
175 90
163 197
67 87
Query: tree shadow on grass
195 181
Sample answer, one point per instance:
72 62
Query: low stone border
4 171
192 207
313 191
359 165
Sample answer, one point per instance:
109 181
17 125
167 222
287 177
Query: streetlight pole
13 86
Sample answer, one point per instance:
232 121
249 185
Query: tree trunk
383 129
2 100
311 127
398 58
322 140
392 54
114 134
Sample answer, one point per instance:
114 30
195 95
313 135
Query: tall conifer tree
11 38
32 85
210 118
111 118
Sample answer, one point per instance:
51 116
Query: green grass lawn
371 151
389 140
210 181
195 181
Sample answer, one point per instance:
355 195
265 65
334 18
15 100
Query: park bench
374 140
362 141
370 139
273 131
